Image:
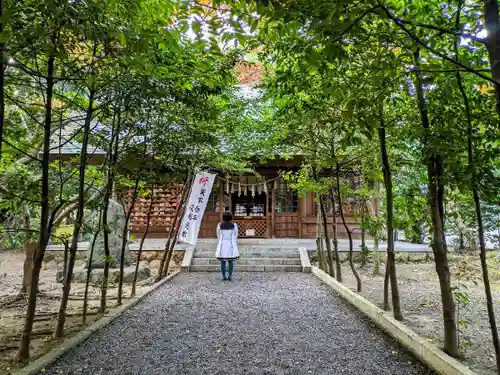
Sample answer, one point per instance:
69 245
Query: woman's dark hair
227 216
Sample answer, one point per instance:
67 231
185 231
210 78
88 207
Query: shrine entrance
250 213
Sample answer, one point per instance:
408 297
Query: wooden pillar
273 212
301 214
221 199
268 221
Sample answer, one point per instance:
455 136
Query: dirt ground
421 301
12 307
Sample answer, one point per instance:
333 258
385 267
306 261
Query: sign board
195 209
250 232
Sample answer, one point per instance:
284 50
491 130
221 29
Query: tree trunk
363 231
170 252
349 235
24 345
387 306
438 245
486 280
141 245
329 254
331 270
335 239
124 240
477 204
321 260
461 242
492 25
319 240
376 256
390 270
373 211
78 221
65 260
89 271
185 190
2 83
176 234
113 152
29 250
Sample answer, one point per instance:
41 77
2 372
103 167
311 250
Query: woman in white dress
227 248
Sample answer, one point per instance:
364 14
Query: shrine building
263 206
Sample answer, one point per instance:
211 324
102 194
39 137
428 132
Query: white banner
195 209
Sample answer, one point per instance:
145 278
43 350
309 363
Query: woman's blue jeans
223 268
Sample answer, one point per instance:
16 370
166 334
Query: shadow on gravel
258 323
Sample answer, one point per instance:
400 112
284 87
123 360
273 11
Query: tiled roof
64 142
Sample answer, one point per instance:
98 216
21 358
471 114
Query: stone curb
429 354
70 343
187 260
304 260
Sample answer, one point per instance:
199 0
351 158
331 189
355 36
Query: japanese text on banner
195 209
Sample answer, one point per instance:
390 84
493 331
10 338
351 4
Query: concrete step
247 268
243 248
253 254
250 261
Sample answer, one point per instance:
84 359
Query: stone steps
250 261
252 254
253 248
247 268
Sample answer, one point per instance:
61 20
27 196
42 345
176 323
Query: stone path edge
187 260
304 260
429 354
70 343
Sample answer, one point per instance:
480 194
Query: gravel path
260 323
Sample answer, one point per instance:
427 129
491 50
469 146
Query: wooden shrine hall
263 206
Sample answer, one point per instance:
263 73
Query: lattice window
213 202
213 199
329 206
351 206
286 201
259 227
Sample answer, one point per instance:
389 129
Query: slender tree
79 218
331 269
24 345
172 233
475 192
128 214
141 245
89 270
335 240
111 172
390 272
348 231
433 164
319 239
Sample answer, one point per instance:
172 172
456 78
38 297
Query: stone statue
116 224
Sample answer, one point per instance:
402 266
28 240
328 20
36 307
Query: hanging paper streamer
253 190
227 186
232 188
259 189
239 189
265 187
